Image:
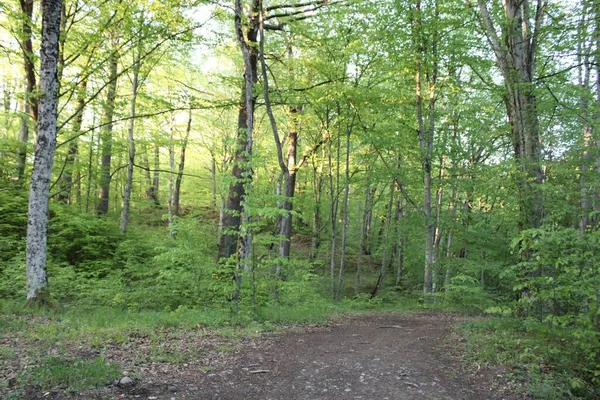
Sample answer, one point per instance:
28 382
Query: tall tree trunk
368 206
318 191
516 58
156 175
333 212
37 223
91 156
130 138
30 104
588 29
181 167
246 32
345 214
106 131
401 240
426 137
214 181
171 202
66 179
387 225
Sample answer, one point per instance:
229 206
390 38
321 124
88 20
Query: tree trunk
171 202
30 107
344 217
66 179
182 166
156 175
37 278
213 176
131 155
426 138
401 240
516 58
106 131
246 32
368 205
90 164
384 254
334 202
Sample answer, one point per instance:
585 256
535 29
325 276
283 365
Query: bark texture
37 223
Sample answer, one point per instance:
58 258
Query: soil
382 356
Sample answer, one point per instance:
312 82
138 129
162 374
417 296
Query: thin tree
106 131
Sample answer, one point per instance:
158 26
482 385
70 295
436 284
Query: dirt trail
383 356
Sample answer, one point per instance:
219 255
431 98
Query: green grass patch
72 375
541 358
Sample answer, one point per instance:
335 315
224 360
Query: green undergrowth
74 374
544 361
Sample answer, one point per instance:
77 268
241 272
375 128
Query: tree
246 31
37 279
515 49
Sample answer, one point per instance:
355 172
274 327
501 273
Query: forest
257 164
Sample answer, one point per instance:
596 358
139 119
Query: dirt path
384 356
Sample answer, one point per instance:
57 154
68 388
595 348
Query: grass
75 375
540 359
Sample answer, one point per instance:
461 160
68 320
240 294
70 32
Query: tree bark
37 223
66 179
181 167
130 138
30 103
106 132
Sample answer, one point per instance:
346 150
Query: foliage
539 357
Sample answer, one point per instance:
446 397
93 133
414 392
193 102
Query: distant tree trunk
171 202
400 241
450 243
156 175
37 278
437 237
90 165
106 130
181 167
130 137
315 243
214 182
318 192
30 103
426 137
344 217
588 143
368 205
246 32
385 246
516 57
66 179
333 212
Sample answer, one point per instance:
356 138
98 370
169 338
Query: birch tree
37 223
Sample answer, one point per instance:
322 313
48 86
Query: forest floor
391 355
